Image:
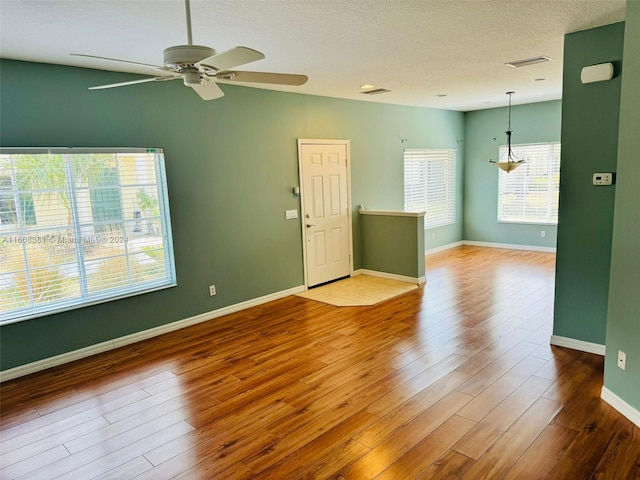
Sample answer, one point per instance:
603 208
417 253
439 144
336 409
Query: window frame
553 161
85 297
426 160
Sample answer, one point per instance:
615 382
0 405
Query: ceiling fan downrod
188 11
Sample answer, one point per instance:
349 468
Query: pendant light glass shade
512 161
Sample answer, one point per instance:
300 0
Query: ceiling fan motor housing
185 56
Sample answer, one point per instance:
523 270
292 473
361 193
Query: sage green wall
484 133
230 163
590 116
623 321
393 244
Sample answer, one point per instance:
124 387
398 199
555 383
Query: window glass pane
78 228
429 185
529 194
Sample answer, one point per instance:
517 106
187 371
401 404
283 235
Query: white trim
442 248
390 213
580 345
139 336
509 246
620 405
390 276
473 243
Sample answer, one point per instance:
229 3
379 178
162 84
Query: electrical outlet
622 360
433 236
212 290
543 233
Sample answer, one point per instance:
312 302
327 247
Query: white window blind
529 194
80 227
430 184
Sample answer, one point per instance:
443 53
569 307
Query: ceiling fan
199 67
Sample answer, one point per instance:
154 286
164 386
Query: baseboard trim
390 276
509 246
620 405
580 345
442 248
45 363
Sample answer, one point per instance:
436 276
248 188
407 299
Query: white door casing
326 213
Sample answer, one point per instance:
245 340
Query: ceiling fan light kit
512 161
199 67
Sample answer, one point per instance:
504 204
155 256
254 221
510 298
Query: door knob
309 225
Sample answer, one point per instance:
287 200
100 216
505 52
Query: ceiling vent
377 91
527 61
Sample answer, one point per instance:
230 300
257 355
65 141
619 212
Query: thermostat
603 178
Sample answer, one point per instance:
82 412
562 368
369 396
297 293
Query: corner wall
623 321
590 117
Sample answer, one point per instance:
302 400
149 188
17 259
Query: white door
325 210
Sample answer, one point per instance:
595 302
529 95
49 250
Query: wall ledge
390 276
54 361
390 213
579 345
620 405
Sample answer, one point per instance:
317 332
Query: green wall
230 163
484 133
623 321
590 116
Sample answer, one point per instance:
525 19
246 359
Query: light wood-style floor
454 380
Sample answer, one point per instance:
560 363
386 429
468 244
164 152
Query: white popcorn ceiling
416 49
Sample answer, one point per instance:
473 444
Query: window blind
529 194
80 227
429 185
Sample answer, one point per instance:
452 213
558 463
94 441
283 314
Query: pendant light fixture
512 162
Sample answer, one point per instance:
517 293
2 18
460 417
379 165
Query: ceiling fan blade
133 82
208 90
156 67
231 58
263 77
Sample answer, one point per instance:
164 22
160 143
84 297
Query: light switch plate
290 214
602 178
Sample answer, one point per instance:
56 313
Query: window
529 194
430 185
8 208
80 227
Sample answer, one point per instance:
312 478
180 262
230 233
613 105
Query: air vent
377 91
527 61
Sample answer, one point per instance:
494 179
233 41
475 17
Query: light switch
290 214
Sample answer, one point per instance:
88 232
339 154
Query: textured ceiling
416 49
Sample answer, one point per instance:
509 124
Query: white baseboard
390 276
139 336
443 248
620 405
580 345
509 246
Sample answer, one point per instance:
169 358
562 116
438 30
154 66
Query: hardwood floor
453 381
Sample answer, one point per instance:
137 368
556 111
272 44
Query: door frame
311 141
